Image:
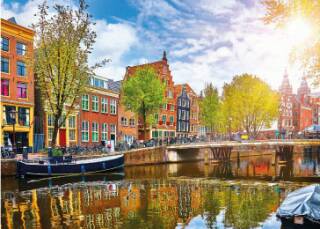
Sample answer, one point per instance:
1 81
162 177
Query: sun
298 31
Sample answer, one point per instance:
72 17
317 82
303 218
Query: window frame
3 79
132 122
7 64
26 90
85 131
104 105
95 132
104 132
8 45
72 128
20 67
87 101
113 105
95 103
24 51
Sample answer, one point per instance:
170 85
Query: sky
205 40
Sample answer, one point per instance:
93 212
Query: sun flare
299 31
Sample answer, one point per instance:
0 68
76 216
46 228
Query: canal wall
8 167
175 154
153 155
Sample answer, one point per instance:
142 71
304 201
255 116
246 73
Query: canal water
242 194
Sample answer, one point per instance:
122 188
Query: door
62 137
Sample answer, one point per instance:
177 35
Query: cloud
211 41
113 40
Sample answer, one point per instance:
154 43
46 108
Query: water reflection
183 195
295 167
144 204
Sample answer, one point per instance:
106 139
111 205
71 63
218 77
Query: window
4 65
72 128
156 117
22 90
85 131
113 128
164 106
104 105
104 132
62 121
124 121
21 49
4 87
85 102
95 132
171 107
4 44
23 116
113 106
7 115
171 120
21 68
95 82
170 94
95 103
50 126
164 119
131 121
179 102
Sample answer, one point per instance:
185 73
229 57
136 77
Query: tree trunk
55 129
55 133
145 126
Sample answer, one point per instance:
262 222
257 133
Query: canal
241 194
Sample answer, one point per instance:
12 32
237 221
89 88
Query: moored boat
301 208
67 166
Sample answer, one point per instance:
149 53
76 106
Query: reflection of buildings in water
254 166
184 202
306 164
130 200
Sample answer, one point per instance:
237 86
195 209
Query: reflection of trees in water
211 207
248 207
161 204
222 170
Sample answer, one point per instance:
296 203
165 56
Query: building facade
98 112
285 121
183 111
189 111
297 111
165 119
17 85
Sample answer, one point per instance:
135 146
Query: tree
250 104
143 93
61 63
209 104
283 12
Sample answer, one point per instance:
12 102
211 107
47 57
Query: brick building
99 112
127 123
165 126
17 84
297 111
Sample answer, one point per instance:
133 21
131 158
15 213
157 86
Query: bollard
25 153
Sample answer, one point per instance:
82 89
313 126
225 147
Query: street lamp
12 114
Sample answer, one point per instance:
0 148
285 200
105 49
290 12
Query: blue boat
66 166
